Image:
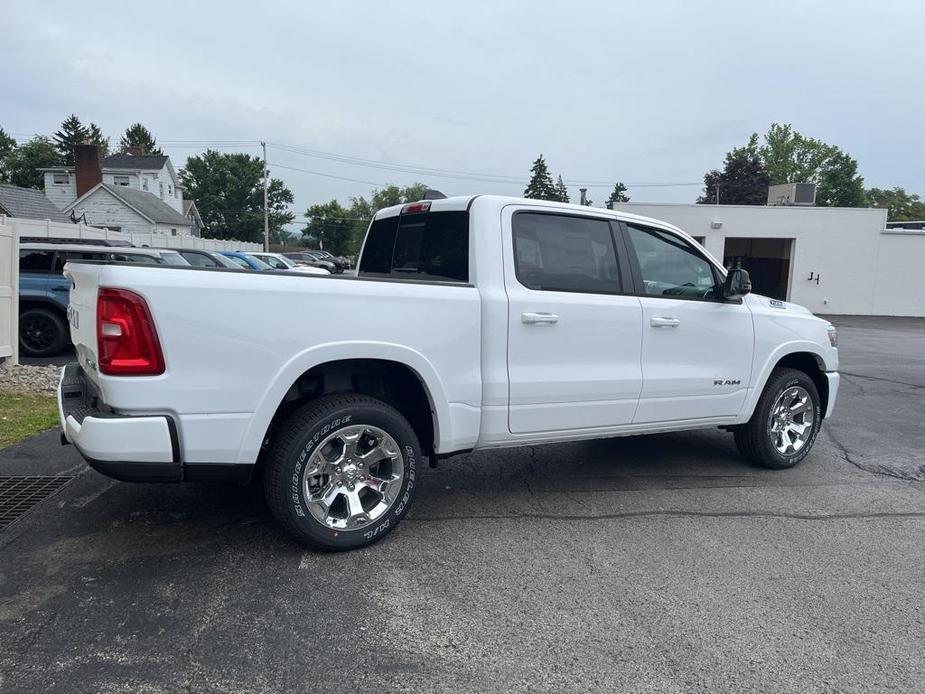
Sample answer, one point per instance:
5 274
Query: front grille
19 494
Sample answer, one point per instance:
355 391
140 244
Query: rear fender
338 351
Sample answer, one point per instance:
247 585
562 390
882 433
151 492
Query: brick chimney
133 151
87 167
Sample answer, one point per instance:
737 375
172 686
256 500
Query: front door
696 350
574 336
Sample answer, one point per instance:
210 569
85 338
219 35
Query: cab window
565 253
670 266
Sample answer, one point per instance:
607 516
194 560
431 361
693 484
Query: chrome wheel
353 477
792 417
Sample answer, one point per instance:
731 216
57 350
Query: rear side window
67 256
563 253
35 261
430 246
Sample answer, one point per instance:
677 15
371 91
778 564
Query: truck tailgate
81 313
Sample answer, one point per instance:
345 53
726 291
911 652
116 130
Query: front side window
554 252
430 246
670 266
198 259
35 261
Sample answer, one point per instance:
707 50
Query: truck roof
464 202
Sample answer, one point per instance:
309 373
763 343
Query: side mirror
737 283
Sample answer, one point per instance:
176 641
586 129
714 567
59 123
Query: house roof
28 203
147 205
127 161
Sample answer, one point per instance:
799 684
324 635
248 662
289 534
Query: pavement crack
916 474
673 514
881 378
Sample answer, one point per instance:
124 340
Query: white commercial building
833 260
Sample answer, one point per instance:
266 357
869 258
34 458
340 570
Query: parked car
44 290
278 261
203 258
314 260
246 261
339 260
473 323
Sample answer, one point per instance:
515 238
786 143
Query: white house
126 191
833 260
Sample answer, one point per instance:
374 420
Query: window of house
173 232
169 190
564 253
161 191
121 180
59 179
144 183
670 266
426 246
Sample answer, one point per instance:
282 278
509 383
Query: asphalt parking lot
649 564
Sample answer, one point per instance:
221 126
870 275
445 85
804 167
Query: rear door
574 331
696 349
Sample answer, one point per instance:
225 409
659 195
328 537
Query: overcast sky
648 92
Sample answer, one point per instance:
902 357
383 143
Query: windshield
256 263
276 262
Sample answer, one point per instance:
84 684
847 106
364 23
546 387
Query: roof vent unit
800 194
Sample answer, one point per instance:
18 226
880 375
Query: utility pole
266 210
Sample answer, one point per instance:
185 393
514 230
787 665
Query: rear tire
341 471
42 333
785 423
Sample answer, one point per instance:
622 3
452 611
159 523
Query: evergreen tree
617 195
95 137
561 191
7 146
541 186
71 134
137 135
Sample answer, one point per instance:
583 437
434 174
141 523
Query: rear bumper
133 449
834 379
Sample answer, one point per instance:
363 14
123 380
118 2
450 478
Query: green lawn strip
22 416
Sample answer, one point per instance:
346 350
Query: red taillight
416 207
125 333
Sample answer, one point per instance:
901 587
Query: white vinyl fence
12 230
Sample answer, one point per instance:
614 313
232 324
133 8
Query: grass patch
22 416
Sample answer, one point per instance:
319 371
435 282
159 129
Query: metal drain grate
19 494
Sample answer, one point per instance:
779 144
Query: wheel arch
395 374
802 356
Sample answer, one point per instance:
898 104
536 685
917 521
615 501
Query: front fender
314 356
762 370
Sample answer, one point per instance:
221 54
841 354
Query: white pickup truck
474 322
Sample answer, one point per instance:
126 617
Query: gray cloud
655 91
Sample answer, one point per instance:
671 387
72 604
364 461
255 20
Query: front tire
785 423
341 471
42 333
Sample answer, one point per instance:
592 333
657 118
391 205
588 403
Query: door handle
531 318
60 289
664 322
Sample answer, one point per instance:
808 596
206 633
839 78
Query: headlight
833 336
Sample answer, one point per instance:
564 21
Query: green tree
71 134
23 163
330 225
7 146
789 157
618 194
743 181
96 137
137 135
561 191
541 186
900 205
228 190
